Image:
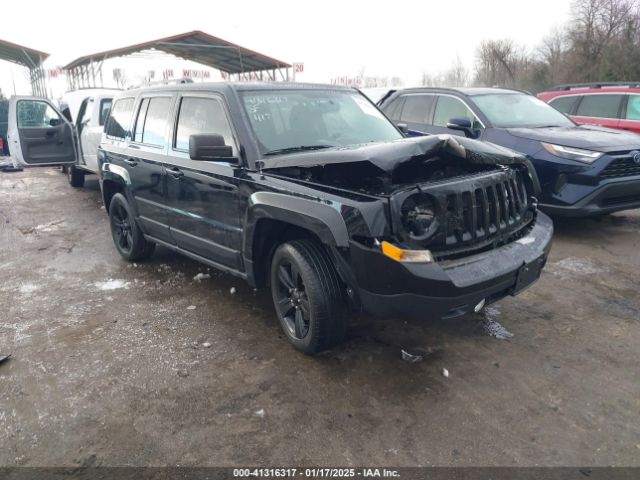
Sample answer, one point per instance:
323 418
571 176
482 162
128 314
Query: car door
416 112
448 107
631 118
90 125
204 214
38 134
602 109
144 161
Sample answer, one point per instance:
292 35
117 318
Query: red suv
612 105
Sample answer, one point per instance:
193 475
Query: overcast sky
332 38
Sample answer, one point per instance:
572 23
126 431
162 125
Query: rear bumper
610 197
452 288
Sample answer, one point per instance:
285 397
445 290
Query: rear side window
118 123
151 123
201 115
564 104
600 106
450 107
633 107
105 108
416 108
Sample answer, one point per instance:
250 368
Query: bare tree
458 75
501 62
601 42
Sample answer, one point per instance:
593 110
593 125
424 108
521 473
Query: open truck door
38 134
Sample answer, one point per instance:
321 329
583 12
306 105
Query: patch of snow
232 291
445 373
580 266
28 288
260 413
201 276
111 284
206 344
191 307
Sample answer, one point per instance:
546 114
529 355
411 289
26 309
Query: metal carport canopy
199 47
31 59
27 57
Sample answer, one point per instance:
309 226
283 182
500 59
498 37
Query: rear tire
75 176
308 296
127 236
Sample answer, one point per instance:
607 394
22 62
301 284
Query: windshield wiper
300 148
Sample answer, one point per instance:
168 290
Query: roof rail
570 86
173 81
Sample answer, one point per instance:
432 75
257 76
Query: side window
140 118
450 107
118 122
416 108
633 107
36 114
201 115
105 108
564 104
392 110
154 124
600 106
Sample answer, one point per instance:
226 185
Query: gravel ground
120 364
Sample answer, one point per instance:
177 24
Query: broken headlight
418 217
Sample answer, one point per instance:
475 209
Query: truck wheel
75 176
307 294
126 233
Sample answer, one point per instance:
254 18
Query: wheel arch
111 186
273 218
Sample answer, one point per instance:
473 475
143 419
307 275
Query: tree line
600 42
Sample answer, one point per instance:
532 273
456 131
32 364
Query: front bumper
609 197
451 288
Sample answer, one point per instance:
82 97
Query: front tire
307 295
126 233
75 176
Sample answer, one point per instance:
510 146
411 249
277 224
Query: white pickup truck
37 126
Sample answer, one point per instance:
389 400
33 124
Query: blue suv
584 170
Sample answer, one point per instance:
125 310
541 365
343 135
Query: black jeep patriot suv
311 190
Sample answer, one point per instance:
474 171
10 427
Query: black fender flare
321 219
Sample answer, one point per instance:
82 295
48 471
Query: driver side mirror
54 122
463 125
209 146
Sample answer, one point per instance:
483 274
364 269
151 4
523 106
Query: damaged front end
460 226
450 195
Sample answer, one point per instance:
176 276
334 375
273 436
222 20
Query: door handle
175 172
130 161
50 133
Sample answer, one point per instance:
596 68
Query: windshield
516 110
285 121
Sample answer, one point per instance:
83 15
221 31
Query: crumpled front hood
389 155
589 137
